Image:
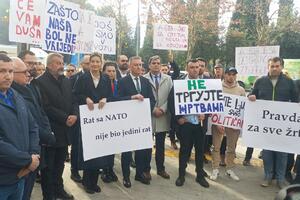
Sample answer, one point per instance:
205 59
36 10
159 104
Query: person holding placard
90 88
192 129
274 87
161 86
230 86
109 68
135 86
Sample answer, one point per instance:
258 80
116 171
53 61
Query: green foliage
147 51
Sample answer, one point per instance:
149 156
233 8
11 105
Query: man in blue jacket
19 149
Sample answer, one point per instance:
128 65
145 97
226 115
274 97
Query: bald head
21 74
19 65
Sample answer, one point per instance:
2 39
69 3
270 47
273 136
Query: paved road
225 188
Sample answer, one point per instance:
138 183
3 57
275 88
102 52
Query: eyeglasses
22 72
124 60
32 63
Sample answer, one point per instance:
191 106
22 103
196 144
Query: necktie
138 87
156 82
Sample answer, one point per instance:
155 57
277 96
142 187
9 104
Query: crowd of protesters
40 119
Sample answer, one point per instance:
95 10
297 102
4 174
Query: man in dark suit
122 70
135 86
85 65
75 176
62 112
192 129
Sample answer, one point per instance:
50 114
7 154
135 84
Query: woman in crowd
93 87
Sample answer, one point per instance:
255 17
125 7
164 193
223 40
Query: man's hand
71 120
181 121
252 97
35 162
138 97
90 103
102 103
201 117
158 112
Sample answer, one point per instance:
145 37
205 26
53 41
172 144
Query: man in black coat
62 112
19 149
122 70
135 86
192 129
20 84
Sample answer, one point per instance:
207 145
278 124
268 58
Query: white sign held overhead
253 61
119 127
105 35
85 35
61 26
170 36
272 125
26 21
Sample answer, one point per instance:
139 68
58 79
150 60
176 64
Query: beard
60 72
123 67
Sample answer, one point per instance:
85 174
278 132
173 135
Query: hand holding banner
115 128
198 96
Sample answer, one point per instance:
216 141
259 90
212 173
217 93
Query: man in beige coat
230 86
161 86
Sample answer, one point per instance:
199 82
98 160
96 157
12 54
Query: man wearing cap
230 86
274 87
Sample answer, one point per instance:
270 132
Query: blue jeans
280 160
12 192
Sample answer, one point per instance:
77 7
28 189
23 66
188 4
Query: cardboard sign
170 36
198 96
253 61
26 21
119 127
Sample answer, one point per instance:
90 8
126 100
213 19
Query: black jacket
284 90
127 89
18 139
58 104
84 87
45 133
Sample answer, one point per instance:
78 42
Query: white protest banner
272 125
119 127
253 61
61 26
170 36
105 35
198 96
233 115
26 21
85 35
